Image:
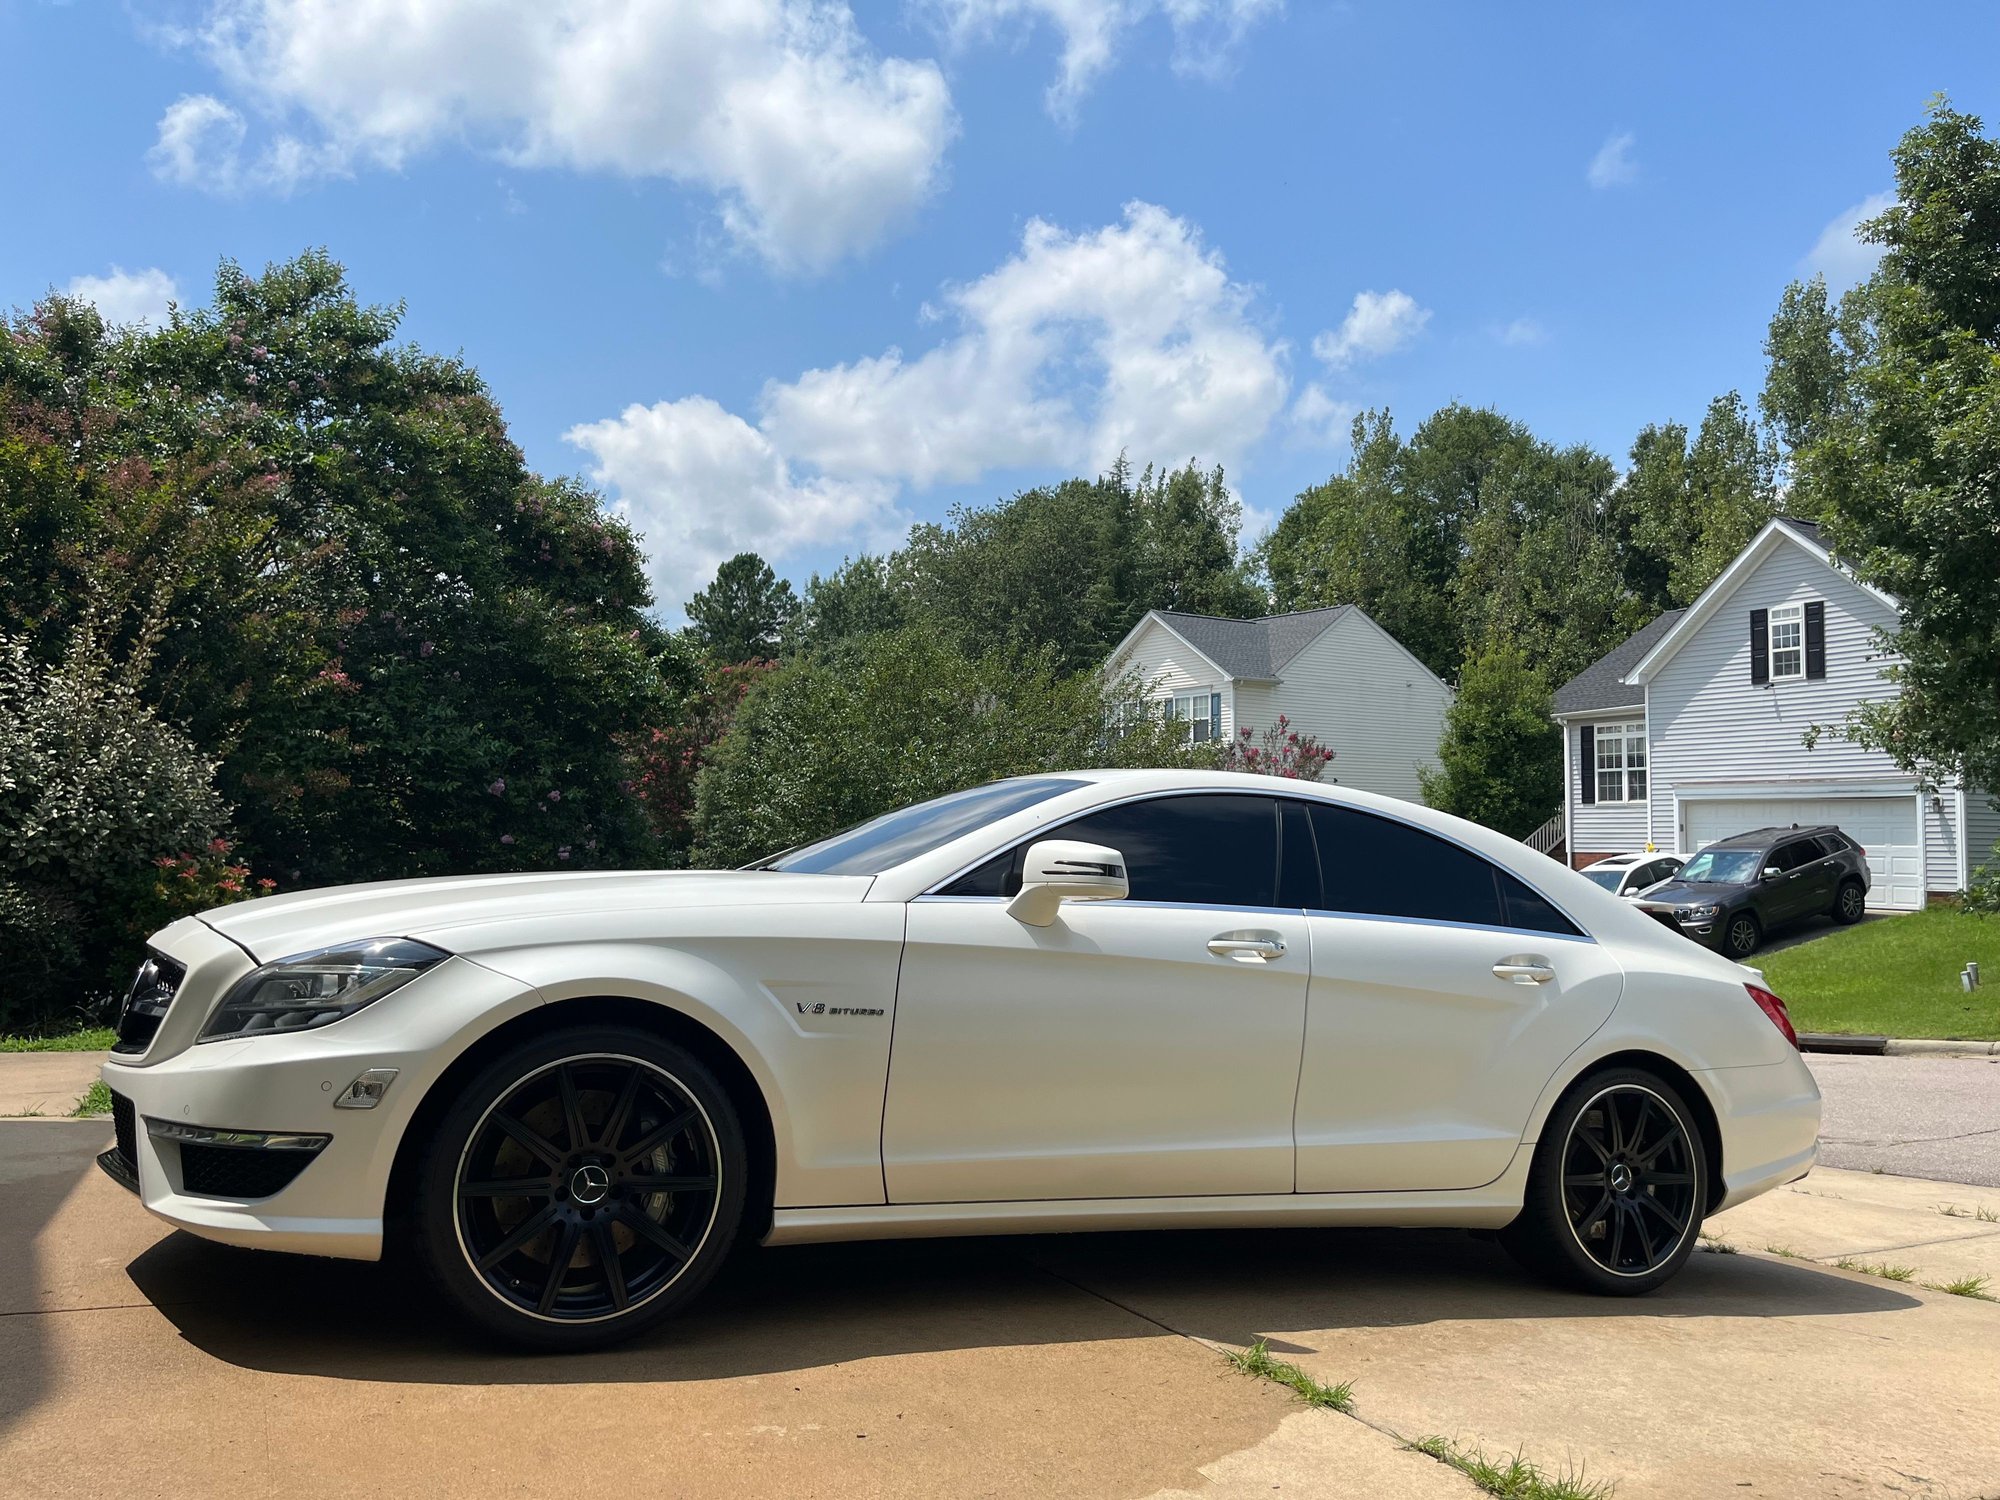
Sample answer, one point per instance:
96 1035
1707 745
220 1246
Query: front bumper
328 1200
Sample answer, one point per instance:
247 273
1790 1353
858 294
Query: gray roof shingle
1598 686
1255 649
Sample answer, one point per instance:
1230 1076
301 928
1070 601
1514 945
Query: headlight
1698 913
310 990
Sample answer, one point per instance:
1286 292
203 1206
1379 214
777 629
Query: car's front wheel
581 1187
1741 934
1618 1187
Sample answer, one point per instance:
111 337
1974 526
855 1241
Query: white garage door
1884 826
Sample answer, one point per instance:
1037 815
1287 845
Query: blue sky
788 277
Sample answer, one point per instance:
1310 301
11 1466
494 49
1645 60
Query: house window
1788 642
1621 762
1196 710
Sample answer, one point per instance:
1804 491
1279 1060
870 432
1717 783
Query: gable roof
1254 650
1601 685
1779 531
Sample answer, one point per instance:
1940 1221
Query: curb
1890 1046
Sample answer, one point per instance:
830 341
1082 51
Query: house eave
1569 715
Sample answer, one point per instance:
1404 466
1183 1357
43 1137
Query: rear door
1424 1054
1806 882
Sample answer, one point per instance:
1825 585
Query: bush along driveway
1894 978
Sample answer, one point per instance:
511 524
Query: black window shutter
1587 756
1215 716
1760 645
1815 638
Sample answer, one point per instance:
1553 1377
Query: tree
858 598
830 739
744 612
1500 762
408 653
1893 407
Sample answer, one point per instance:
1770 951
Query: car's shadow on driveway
807 1307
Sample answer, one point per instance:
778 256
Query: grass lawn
88 1039
1897 977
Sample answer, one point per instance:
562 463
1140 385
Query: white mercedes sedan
1100 1000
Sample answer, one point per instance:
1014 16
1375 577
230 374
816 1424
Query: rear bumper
332 1201
1769 1121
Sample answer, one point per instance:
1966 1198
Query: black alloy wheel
1629 1177
1617 1189
582 1188
1850 904
1741 935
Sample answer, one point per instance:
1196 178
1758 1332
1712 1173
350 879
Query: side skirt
1488 1207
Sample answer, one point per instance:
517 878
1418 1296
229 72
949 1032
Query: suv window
1798 852
1201 850
1379 867
1832 843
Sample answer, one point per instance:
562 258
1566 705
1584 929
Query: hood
1690 892
276 927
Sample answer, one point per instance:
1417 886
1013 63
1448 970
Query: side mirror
1772 872
1059 870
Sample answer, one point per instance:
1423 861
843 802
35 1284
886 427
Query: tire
1850 904
1578 1227
1742 935
625 1151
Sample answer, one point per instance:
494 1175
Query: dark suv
1739 888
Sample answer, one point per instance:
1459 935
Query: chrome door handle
1524 968
1247 950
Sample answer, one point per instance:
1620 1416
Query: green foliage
96 1100
1893 977
745 613
858 598
75 1039
1257 1360
1279 751
1894 409
333 570
1500 762
94 787
831 739
1512 1477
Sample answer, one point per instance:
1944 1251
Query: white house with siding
1334 673
1729 715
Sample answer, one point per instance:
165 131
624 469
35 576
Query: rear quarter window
1376 866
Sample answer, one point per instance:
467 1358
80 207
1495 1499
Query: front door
1115 1053
1425 1050
1804 884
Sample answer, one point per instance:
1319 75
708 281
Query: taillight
1773 1007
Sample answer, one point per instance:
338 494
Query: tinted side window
1379 867
1831 843
1298 860
1200 851
1791 856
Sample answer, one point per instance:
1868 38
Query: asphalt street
1935 1117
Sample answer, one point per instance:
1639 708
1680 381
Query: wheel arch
717 1054
1707 1123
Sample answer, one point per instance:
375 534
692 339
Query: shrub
95 792
1280 751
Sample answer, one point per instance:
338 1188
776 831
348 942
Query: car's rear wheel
581 1188
1741 935
1618 1187
1850 904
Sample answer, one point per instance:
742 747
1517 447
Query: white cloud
701 485
1318 420
1521 333
1841 257
1613 165
1378 323
812 145
128 296
1130 338
1206 33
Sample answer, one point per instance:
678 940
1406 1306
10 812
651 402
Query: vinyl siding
1710 723
1166 665
1360 693
1982 829
1606 827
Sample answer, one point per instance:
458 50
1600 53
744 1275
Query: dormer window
1788 642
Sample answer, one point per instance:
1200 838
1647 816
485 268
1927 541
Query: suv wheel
1849 905
1741 934
1618 1188
581 1188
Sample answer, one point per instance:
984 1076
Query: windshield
1607 878
884 842
1722 866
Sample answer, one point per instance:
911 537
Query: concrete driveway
134 1361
